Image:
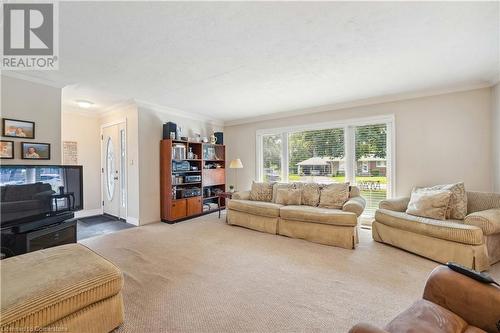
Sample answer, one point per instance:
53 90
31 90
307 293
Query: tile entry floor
99 225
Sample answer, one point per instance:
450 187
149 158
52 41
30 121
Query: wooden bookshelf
210 166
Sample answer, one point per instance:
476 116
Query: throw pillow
310 194
277 186
334 195
458 202
431 203
261 191
288 196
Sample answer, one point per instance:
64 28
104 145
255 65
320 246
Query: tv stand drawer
55 236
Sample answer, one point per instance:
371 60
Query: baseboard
132 220
88 212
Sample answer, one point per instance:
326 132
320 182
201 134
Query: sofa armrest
242 195
396 204
355 205
488 220
366 328
477 303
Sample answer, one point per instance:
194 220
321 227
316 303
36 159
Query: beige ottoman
67 288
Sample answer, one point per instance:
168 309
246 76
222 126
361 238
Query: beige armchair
473 242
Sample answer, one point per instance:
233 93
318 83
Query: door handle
115 178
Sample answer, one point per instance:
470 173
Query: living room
254 167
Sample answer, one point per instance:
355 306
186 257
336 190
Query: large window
358 152
272 150
370 144
316 155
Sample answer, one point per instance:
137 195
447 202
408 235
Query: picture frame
16 128
6 150
35 151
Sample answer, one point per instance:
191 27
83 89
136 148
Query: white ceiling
233 60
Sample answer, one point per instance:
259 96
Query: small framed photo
6 149
35 151
18 128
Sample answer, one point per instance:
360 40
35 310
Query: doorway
114 170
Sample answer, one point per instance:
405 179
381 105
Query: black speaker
220 138
168 128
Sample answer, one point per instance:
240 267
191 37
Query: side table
225 195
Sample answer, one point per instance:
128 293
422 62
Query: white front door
113 170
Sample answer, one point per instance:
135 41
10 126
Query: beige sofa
473 242
320 225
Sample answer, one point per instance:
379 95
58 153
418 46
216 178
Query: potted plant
231 188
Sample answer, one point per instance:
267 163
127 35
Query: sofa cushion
288 196
334 195
452 230
430 203
458 200
261 208
318 215
261 191
41 287
277 186
310 194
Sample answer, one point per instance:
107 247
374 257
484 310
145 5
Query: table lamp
236 164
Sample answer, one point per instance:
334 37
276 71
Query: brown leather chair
451 303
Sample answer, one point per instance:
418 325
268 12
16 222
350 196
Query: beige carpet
205 276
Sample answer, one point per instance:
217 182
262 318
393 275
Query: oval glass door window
110 169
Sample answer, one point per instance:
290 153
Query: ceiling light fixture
84 104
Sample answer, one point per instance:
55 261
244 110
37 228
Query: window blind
317 156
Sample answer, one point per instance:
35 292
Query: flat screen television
34 192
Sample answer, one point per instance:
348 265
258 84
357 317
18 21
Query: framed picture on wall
15 128
6 149
35 151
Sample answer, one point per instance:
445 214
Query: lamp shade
236 164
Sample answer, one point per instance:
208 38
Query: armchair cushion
452 230
396 204
432 203
355 205
457 208
488 220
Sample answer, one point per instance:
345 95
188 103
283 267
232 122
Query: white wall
439 139
36 102
150 134
85 130
495 128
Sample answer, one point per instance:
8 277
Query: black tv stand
40 234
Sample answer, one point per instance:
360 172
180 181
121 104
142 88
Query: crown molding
362 102
178 113
33 79
116 107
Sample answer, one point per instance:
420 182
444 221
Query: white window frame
350 156
380 164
